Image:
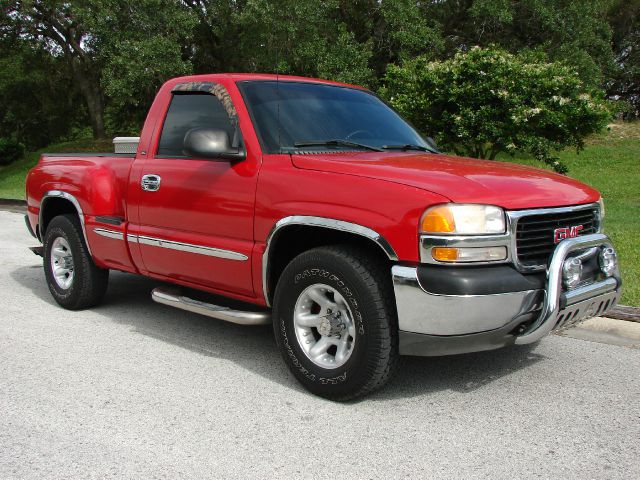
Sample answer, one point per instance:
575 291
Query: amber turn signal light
445 254
438 219
469 254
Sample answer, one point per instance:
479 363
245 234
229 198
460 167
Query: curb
12 202
624 312
13 205
605 330
619 312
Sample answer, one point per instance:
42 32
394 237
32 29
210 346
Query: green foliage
487 101
623 80
573 31
300 38
117 52
10 150
37 106
98 63
144 53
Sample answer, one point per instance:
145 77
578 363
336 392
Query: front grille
535 233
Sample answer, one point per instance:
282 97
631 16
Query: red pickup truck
313 206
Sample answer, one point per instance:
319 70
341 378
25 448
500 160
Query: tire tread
90 281
383 362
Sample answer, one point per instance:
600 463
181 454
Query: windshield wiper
409 146
336 143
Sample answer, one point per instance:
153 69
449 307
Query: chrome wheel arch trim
74 201
322 222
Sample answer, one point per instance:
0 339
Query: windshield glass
317 113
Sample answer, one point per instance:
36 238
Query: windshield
313 114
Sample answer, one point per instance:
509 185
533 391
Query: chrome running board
173 298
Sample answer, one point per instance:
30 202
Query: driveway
134 389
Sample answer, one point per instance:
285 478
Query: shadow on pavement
128 302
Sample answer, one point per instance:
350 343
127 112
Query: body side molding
187 247
321 222
104 232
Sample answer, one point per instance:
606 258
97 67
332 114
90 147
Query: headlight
458 219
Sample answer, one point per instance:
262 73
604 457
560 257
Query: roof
239 77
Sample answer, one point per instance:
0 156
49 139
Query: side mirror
211 143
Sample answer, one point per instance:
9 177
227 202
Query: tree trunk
95 105
89 87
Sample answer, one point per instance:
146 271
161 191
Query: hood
462 180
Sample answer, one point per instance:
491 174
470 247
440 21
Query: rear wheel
75 282
335 323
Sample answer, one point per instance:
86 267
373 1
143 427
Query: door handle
150 183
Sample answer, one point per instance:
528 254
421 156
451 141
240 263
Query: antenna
278 96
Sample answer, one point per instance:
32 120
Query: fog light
571 272
608 261
473 254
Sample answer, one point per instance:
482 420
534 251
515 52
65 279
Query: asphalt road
133 389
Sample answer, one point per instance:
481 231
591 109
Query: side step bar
173 298
38 251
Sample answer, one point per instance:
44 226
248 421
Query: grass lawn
610 163
12 176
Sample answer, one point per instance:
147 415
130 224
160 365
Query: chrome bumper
481 322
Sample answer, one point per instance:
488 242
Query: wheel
335 322
73 279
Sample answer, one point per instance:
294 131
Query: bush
10 151
486 101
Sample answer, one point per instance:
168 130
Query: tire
363 331
80 283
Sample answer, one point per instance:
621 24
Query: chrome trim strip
74 201
551 307
172 297
512 223
427 242
109 233
187 247
322 222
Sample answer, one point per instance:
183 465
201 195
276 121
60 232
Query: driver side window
188 111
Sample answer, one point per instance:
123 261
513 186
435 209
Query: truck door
195 215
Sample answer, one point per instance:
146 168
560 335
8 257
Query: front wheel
75 282
335 322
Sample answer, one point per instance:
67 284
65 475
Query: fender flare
70 198
322 222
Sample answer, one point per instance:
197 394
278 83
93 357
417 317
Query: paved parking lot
133 389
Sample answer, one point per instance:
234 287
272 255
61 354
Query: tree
396 30
573 31
99 41
486 101
623 81
287 36
37 108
